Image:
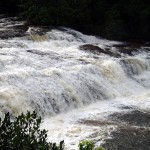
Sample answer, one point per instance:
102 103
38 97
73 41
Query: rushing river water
67 85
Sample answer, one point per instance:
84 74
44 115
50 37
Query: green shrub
24 134
88 145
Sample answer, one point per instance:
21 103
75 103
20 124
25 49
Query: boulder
97 50
14 31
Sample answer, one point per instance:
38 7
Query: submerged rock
91 47
37 52
11 27
97 50
129 138
131 48
133 131
135 117
10 33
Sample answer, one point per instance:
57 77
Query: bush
88 145
117 20
24 134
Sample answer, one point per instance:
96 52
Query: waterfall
36 36
49 72
54 76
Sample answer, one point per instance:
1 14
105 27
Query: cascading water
59 81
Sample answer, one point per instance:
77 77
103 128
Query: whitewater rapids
65 84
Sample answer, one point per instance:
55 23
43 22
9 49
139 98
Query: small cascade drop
37 37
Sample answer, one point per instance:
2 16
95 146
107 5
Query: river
66 82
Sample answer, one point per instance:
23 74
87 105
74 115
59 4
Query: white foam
68 127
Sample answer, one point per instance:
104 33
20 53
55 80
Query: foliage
24 134
88 145
120 19
9 6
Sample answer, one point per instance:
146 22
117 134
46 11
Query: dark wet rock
9 34
96 122
3 54
21 27
128 51
133 45
120 45
2 16
146 49
11 27
15 31
135 117
133 131
147 44
129 138
37 52
126 107
97 50
51 55
90 47
132 48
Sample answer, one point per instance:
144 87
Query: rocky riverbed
133 130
